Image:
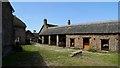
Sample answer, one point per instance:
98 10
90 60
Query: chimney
68 22
45 22
34 31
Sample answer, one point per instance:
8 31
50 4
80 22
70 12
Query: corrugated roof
103 27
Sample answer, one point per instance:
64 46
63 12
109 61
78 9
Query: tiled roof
102 27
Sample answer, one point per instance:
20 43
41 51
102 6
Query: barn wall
7 29
20 32
0 33
119 42
95 41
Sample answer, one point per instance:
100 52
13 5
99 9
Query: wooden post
57 42
42 39
49 40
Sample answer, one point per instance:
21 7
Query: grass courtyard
45 55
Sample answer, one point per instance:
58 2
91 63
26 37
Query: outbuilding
98 36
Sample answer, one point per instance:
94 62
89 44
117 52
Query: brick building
98 36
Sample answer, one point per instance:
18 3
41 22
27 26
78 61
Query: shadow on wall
23 59
0 47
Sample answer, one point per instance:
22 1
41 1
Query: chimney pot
68 22
34 31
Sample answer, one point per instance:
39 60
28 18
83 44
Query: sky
58 13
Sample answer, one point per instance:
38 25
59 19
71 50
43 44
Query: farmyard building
97 36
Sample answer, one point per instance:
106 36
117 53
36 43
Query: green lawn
37 55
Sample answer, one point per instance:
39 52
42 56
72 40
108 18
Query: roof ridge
90 23
99 22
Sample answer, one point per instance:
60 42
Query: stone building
44 28
98 36
19 29
7 28
36 36
0 33
29 36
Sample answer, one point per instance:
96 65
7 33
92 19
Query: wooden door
86 45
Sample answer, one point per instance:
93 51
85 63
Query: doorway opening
105 44
40 40
86 44
46 40
62 40
72 42
53 40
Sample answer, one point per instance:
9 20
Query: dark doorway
105 44
86 44
40 40
72 42
62 40
53 40
46 40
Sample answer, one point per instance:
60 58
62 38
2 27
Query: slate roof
102 27
51 25
36 34
48 25
18 22
8 4
28 32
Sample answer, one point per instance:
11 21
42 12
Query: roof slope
104 27
36 34
18 22
28 32
49 26
8 5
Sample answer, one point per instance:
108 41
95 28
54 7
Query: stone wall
0 31
20 32
95 41
7 28
119 43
